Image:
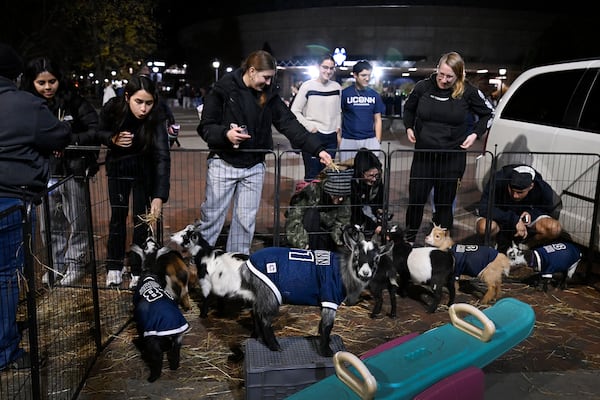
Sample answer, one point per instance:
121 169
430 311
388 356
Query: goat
278 275
473 260
554 262
218 260
425 266
159 321
389 271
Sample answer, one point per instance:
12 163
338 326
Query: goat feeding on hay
473 260
159 321
279 275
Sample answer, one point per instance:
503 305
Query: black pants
123 181
440 171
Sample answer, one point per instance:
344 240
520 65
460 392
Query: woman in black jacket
244 98
68 222
139 162
436 120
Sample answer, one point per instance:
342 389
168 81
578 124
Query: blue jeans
312 164
224 183
11 264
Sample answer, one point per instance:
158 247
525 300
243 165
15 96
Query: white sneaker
134 281
113 278
72 276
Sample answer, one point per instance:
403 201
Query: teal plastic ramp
474 338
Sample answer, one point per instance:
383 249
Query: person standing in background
138 163
109 92
362 108
68 219
244 97
436 118
29 133
317 107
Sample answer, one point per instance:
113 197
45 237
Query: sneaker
72 275
113 277
134 281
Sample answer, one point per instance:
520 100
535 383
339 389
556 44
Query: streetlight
216 64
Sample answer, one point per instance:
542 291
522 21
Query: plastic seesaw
472 340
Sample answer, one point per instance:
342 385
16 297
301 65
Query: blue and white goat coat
301 277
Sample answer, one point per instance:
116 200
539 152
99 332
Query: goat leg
392 288
325 327
174 354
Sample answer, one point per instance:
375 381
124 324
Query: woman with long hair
236 164
138 163
68 220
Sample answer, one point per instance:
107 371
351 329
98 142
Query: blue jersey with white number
301 277
471 259
556 257
156 312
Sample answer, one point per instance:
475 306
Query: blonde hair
457 64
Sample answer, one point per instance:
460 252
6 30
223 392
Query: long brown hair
455 61
260 60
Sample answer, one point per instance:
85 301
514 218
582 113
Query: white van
554 108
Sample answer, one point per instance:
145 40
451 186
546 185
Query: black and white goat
159 321
472 260
425 266
280 275
217 270
388 275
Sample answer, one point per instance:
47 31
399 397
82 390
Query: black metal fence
66 327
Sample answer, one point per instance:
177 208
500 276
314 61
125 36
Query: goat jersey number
156 313
302 277
471 259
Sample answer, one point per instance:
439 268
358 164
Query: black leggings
442 173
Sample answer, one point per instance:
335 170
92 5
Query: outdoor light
216 64
229 69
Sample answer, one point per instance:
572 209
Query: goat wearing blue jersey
280 275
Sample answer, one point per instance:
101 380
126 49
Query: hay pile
566 337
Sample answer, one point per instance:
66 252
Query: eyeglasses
327 68
375 176
445 76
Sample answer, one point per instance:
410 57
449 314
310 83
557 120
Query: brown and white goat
473 260
279 275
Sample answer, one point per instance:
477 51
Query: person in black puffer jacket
68 213
247 97
29 133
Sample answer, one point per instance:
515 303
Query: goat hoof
326 352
